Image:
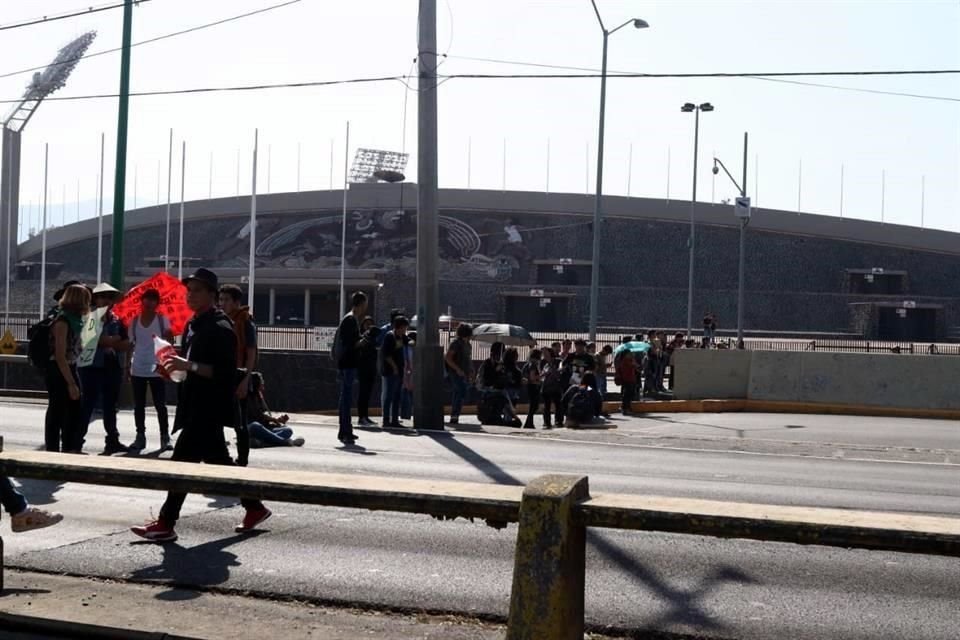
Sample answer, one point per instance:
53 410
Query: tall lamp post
595 263
742 210
689 107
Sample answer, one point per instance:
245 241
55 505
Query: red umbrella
173 301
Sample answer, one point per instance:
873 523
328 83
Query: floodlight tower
41 85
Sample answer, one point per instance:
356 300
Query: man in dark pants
206 403
348 354
101 379
231 302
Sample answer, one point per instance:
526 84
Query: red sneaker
156 531
252 519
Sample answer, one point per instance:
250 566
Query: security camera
716 169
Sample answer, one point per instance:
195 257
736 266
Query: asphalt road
669 583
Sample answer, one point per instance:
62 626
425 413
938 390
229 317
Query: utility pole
120 177
428 405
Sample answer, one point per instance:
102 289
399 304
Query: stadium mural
490 249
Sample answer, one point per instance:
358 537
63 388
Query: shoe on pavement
139 443
296 442
33 518
454 420
165 444
252 519
156 531
111 448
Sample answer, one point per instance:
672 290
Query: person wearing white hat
100 380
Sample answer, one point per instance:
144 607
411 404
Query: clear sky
910 139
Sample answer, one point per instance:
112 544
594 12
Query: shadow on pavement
684 606
39 492
206 565
490 468
355 448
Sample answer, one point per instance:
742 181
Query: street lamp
742 210
595 263
689 107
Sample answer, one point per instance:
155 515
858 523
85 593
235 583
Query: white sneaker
33 518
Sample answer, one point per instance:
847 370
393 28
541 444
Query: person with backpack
531 378
346 354
458 363
551 388
406 389
367 370
143 370
582 403
101 376
62 428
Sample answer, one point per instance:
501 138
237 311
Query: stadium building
525 258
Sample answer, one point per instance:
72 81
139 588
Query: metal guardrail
319 339
553 513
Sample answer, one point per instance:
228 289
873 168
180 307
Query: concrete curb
747 406
67 629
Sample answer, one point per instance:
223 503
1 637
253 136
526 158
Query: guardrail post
548 575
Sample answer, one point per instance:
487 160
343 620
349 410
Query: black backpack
39 339
580 407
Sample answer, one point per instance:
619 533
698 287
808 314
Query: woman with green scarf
64 411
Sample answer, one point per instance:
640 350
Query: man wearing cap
206 400
100 378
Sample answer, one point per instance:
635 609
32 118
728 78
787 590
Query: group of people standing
364 352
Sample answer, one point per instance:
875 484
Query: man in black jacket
206 401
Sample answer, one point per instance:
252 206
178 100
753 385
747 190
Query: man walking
346 352
143 369
207 401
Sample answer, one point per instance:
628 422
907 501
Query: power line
253 87
747 76
158 38
402 79
62 16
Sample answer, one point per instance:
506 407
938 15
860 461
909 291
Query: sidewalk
135 610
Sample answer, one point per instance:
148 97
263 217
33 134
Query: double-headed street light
742 210
690 107
595 266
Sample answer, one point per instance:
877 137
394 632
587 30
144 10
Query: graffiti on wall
489 249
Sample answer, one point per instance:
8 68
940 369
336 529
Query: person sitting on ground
582 403
492 382
266 430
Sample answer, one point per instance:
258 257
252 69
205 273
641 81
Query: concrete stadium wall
854 379
702 373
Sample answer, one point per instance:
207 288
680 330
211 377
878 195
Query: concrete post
548 576
306 307
273 306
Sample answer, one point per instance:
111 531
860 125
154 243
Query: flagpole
183 190
210 188
298 167
100 215
166 250
8 165
343 230
43 239
630 170
252 268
